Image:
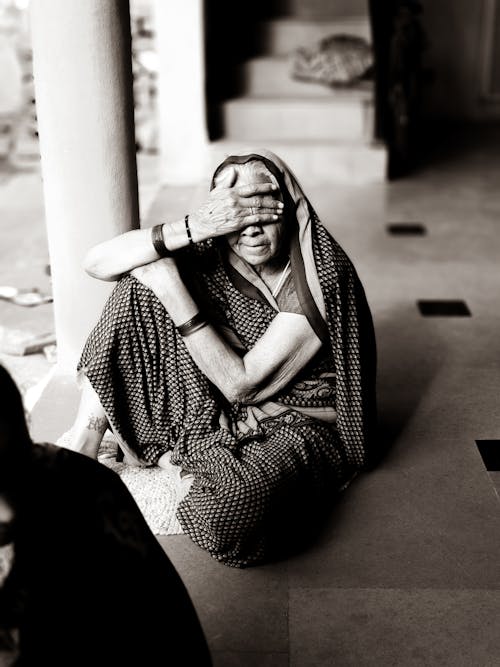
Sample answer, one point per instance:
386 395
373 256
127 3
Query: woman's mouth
254 246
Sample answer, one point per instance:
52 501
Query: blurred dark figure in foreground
88 584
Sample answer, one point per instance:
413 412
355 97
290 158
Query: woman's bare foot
164 461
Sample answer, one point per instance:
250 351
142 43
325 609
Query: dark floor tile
443 308
240 609
242 659
490 453
406 229
392 627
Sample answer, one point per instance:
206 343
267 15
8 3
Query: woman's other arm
287 345
226 210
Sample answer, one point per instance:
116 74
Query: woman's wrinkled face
258 243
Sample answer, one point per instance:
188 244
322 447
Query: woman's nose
252 230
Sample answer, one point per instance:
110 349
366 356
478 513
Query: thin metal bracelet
188 230
197 322
159 243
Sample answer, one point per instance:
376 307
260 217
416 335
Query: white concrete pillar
84 99
180 44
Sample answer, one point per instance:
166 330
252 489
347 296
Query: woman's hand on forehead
230 208
261 200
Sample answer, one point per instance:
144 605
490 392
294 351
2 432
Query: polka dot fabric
145 378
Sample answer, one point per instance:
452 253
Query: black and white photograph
249 333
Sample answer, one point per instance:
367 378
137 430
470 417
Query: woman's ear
226 179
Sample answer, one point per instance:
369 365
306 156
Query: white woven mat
157 491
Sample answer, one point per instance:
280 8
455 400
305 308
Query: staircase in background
326 134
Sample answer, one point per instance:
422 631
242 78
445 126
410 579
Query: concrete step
268 76
316 162
316 118
282 36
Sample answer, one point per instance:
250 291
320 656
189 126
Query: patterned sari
260 471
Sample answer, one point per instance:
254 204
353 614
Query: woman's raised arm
289 342
227 209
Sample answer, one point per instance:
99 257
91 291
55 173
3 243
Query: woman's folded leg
141 371
246 505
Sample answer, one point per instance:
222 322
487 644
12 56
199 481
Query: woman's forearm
288 344
213 356
122 254
226 210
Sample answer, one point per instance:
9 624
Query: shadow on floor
409 358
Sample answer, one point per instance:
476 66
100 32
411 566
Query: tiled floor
407 568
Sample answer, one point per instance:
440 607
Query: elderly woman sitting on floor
237 344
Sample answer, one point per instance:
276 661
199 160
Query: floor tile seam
430 403
456 286
459 364
416 473
460 251
435 286
414 266
420 425
420 422
430 473
454 427
248 651
400 589
476 262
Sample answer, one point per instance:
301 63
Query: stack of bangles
159 243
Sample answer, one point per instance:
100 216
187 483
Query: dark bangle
188 230
159 243
194 324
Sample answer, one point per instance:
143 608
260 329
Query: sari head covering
333 300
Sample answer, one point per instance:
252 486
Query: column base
55 410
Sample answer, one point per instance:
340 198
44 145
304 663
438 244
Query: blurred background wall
461 60
464 55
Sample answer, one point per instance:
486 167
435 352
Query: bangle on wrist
196 323
158 242
188 229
